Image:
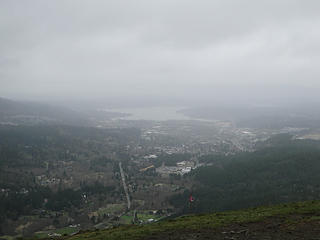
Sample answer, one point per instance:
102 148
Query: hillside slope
287 221
283 170
31 113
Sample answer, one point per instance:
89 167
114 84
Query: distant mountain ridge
30 113
269 117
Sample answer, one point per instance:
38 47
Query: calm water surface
152 113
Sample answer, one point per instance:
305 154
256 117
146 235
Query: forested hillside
281 170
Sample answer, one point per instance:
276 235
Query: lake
151 113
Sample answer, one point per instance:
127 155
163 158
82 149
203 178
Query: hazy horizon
160 52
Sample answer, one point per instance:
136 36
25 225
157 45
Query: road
125 186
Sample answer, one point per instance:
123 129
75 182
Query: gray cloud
92 49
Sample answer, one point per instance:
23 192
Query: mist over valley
159 119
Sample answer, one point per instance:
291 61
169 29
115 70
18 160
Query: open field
62 231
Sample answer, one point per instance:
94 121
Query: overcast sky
92 49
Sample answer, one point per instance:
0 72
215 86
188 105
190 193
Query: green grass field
10 237
111 208
143 216
62 231
126 219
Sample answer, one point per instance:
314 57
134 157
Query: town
121 172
